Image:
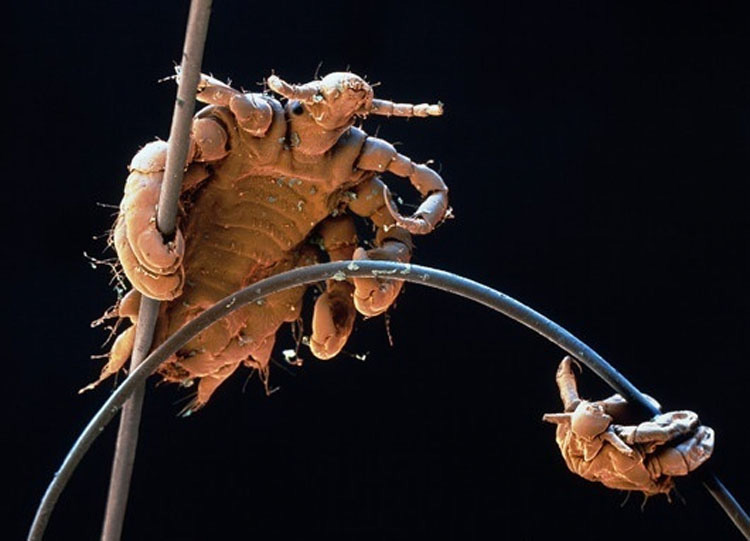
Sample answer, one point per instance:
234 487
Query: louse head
589 420
333 102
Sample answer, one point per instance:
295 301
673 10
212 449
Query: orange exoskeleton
263 178
598 442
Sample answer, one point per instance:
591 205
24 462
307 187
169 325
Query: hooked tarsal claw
333 321
416 224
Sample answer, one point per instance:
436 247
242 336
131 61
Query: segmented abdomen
242 231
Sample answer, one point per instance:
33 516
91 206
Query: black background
597 156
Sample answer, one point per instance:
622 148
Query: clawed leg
334 313
138 207
566 383
152 265
687 456
161 287
661 429
333 320
373 296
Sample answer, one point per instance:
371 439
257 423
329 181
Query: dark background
597 156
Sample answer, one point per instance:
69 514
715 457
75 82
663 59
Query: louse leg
138 209
686 456
566 383
373 296
333 320
661 429
152 263
161 287
252 111
380 156
334 313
